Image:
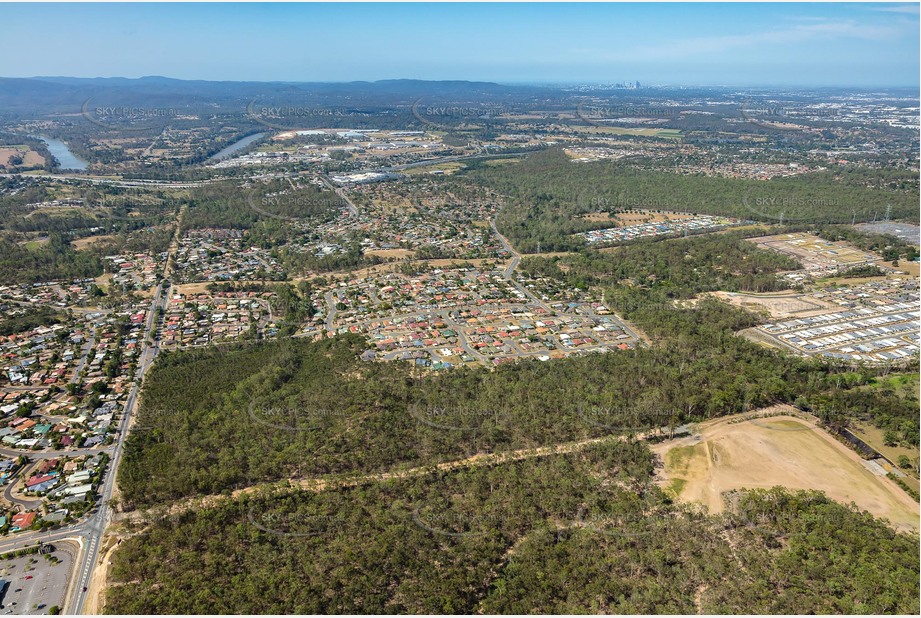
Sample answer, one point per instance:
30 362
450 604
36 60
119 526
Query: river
67 159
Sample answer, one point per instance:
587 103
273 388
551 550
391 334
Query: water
67 159
234 147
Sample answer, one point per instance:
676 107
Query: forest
548 192
585 532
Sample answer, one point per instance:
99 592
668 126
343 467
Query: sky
734 44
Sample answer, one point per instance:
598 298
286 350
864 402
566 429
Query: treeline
35 317
672 269
587 532
649 282
57 259
896 415
54 259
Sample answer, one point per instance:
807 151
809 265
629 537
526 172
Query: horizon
844 45
535 84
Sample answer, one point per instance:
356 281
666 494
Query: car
28 577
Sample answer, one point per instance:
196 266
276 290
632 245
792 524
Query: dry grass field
29 157
780 450
392 253
644 132
83 243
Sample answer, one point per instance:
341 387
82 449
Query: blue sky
819 44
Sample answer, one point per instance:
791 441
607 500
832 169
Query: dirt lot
814 252
778 305
82 243
781 450
392 253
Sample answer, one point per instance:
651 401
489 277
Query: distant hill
54 94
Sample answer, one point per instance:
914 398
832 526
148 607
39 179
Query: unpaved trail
322 483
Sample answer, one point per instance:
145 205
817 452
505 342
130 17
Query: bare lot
784 451
813 252
82 243
778 305
392 253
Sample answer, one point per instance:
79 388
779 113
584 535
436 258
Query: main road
88 533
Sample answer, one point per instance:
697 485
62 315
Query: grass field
392 253
778 451
447 168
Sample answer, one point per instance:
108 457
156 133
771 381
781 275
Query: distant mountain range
62 94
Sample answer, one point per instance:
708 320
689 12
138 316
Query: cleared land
815 253
730 454
666 133
639 217
778 305
392 253
82 243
